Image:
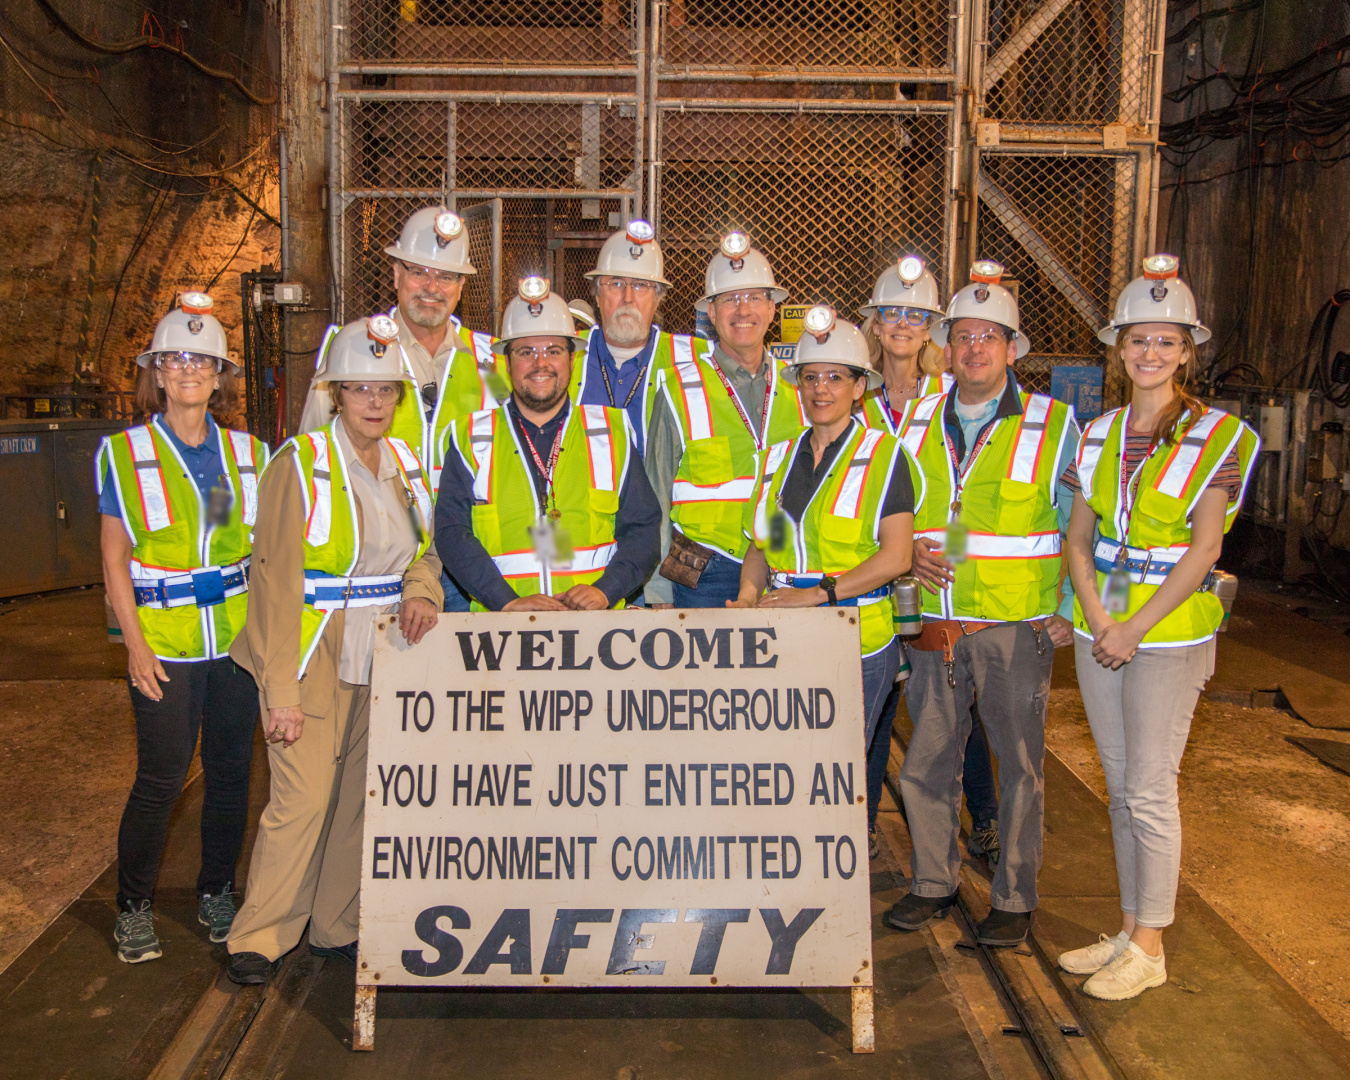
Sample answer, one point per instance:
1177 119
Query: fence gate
838 134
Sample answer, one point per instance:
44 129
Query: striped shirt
1229 474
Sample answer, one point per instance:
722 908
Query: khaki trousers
306 864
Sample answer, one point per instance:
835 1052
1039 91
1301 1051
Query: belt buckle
208 587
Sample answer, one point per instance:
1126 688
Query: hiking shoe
217 912
1092 958
250 968
915 912
873 843
1003 929
983 840
135 934
344 952
1128 975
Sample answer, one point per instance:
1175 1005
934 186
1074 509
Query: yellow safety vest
876 413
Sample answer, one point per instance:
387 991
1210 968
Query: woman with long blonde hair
905 301
1159 482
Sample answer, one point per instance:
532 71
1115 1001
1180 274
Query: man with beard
543 504
629 359
453 369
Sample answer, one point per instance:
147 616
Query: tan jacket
269 644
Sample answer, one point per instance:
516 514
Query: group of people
584 461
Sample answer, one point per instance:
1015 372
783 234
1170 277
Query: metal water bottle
908 601
1224 586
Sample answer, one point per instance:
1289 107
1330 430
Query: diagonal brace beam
1042 254
1022 39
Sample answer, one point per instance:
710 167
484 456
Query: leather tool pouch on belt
685 562
936 636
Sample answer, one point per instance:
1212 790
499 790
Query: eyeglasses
1165 345
551 352
964 339
181 360
617 286
758 299
383 394
825 378
421 275
909 316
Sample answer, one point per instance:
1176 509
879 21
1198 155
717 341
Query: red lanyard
547 473
740 409
959 473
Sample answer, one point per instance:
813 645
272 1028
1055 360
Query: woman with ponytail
1159 482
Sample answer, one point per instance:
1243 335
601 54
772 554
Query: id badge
552 542
778 531
219 503
1116 592
497 386
563 551
955 542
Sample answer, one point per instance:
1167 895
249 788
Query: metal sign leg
363 1020
864 1035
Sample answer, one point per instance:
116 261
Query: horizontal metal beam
1025 233
351 194
800 105
791 75
477 71
1021 40
495 97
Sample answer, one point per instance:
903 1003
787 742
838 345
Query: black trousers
221 701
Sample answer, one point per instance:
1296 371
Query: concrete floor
1267 834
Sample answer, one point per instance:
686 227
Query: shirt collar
1009 404
603 354
208 443
549 427
406 339
387 467
733 370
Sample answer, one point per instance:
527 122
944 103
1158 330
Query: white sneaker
1128 975
1091 959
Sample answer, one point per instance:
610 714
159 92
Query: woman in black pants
178 497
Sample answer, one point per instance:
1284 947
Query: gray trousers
1140 716
1007 668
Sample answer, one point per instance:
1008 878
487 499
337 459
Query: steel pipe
797 105
497 97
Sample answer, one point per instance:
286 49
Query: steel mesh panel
807 34
1062 226
531 146
514 32
830 198
1066 63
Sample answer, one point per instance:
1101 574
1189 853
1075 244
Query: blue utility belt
328 592
1145 567
206 586
778 580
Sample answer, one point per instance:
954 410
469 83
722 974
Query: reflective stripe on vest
1030 440
1186 455
683 491
487 364
599 446
692 390
525 564
480 439
149 479
850 493
1090 451
242 443
980 545
411 468
319 512
776 453
916 427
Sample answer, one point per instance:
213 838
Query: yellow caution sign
792 316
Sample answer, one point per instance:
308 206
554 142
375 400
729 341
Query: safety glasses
908 315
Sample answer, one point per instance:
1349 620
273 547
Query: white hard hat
826 340
632 252
909 284
190 328
1157 297
536 312
582 311
738 266
984 298
434 237
365 349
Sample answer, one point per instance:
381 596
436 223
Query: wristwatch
829 584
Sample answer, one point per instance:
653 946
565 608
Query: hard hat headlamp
910 269
819 321
734 246
196 303
986 271
1161 266
534 288
639 232
383 330
448 226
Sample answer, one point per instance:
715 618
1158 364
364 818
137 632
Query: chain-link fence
829 197
469 31
841 35
1062 225
1067 63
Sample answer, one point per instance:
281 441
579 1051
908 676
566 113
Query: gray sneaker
983 840
135 934
218 912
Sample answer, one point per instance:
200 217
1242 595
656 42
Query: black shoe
915 912
250 968
1003 929
346 952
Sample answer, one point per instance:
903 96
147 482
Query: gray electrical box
47 488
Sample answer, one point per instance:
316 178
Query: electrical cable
156 207
252 216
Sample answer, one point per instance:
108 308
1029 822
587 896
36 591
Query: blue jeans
719 582
878 673
456 599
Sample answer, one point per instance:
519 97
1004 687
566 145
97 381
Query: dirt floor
1266 836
